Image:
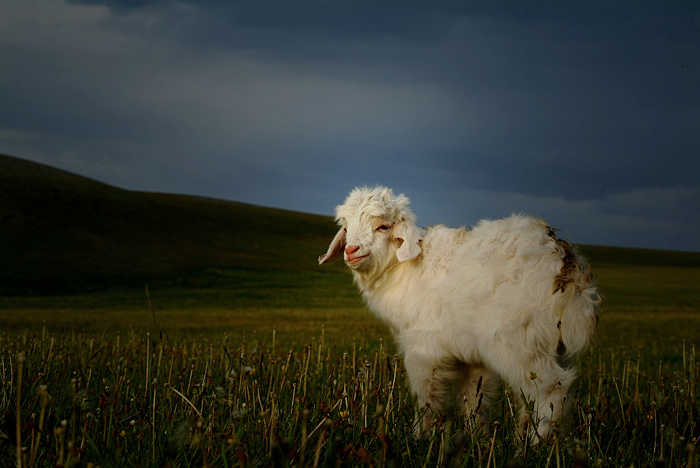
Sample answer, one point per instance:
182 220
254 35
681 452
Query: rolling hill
63 233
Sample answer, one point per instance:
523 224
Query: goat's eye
383 227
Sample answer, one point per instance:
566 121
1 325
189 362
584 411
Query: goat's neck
381 291
370 282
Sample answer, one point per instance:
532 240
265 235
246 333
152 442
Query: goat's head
376 228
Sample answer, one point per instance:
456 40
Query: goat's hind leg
477 386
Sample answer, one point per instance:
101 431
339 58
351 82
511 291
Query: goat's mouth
356 260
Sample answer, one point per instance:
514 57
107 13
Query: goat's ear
411 236
335 249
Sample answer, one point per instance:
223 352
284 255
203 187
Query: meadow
280 369
155 330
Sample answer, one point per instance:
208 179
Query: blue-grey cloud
586 113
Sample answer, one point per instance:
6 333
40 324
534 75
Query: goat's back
510 272
514 252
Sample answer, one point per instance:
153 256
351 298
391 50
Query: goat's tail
577 300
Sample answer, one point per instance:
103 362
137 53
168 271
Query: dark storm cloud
583 112
554 97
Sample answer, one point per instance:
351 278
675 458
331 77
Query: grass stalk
493 444
21 359
153 427
619 396
187 401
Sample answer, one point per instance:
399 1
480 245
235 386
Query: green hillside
62 233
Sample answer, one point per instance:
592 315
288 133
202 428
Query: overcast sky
584 113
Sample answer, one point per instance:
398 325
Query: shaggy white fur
506 299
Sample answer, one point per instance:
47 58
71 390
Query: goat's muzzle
353 256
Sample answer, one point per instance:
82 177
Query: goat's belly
440 342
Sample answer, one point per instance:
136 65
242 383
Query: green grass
650 308
645 305
142 400
62 233
261 369
158 330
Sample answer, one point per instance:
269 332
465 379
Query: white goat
505 299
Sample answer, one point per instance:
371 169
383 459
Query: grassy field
652 300
140 400
268 369
145 329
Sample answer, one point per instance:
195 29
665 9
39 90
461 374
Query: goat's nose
351 249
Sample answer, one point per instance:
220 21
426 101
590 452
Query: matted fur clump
506 300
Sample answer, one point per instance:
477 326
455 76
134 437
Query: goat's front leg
547 391
432 382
